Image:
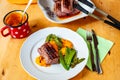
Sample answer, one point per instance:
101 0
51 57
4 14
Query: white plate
29 53
49 3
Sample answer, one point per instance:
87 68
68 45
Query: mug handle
3 29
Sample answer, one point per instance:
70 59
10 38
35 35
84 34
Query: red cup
16 25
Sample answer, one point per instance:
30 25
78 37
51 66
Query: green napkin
104 46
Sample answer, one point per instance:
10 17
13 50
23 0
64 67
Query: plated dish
57 50
52 13
29 52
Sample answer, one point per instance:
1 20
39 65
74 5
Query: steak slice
57 10
75 11
67 6
48 53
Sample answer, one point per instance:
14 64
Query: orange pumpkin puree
41 61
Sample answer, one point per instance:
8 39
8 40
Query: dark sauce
69 16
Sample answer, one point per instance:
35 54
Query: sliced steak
48 53
57 10
75 11
67 6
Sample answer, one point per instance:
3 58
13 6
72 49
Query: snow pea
48 38
62 61
69 56
76 61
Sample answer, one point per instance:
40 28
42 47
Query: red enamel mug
16 24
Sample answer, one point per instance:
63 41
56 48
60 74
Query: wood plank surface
10 66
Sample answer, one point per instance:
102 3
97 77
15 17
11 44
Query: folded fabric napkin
104 46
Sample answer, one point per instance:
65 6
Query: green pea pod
48 38
74 58
77 61
58 42
66 54
69 56
81 59
62 61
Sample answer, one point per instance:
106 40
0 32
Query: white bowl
43 4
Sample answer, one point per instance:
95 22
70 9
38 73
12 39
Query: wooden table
10 66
